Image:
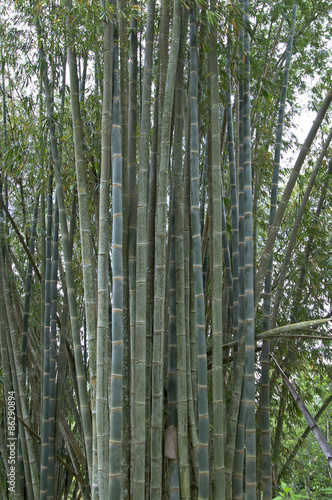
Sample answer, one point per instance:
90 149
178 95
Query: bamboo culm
117 291
203 432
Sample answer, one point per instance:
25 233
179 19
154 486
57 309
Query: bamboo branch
321 440
302 438
20 237
285 329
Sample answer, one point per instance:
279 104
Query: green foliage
287 492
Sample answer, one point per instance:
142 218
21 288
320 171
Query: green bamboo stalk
122 6
139 430
215 192
265 381
42 273
160 264
203 436
163 41
51 485
117 291
62 362
181 343
235 433
171 446
237 483
132 226
202 201
227 261
46 364
62 366
88 257
233 190
249 278
102 408
191 351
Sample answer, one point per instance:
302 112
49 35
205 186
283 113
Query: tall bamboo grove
150 238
